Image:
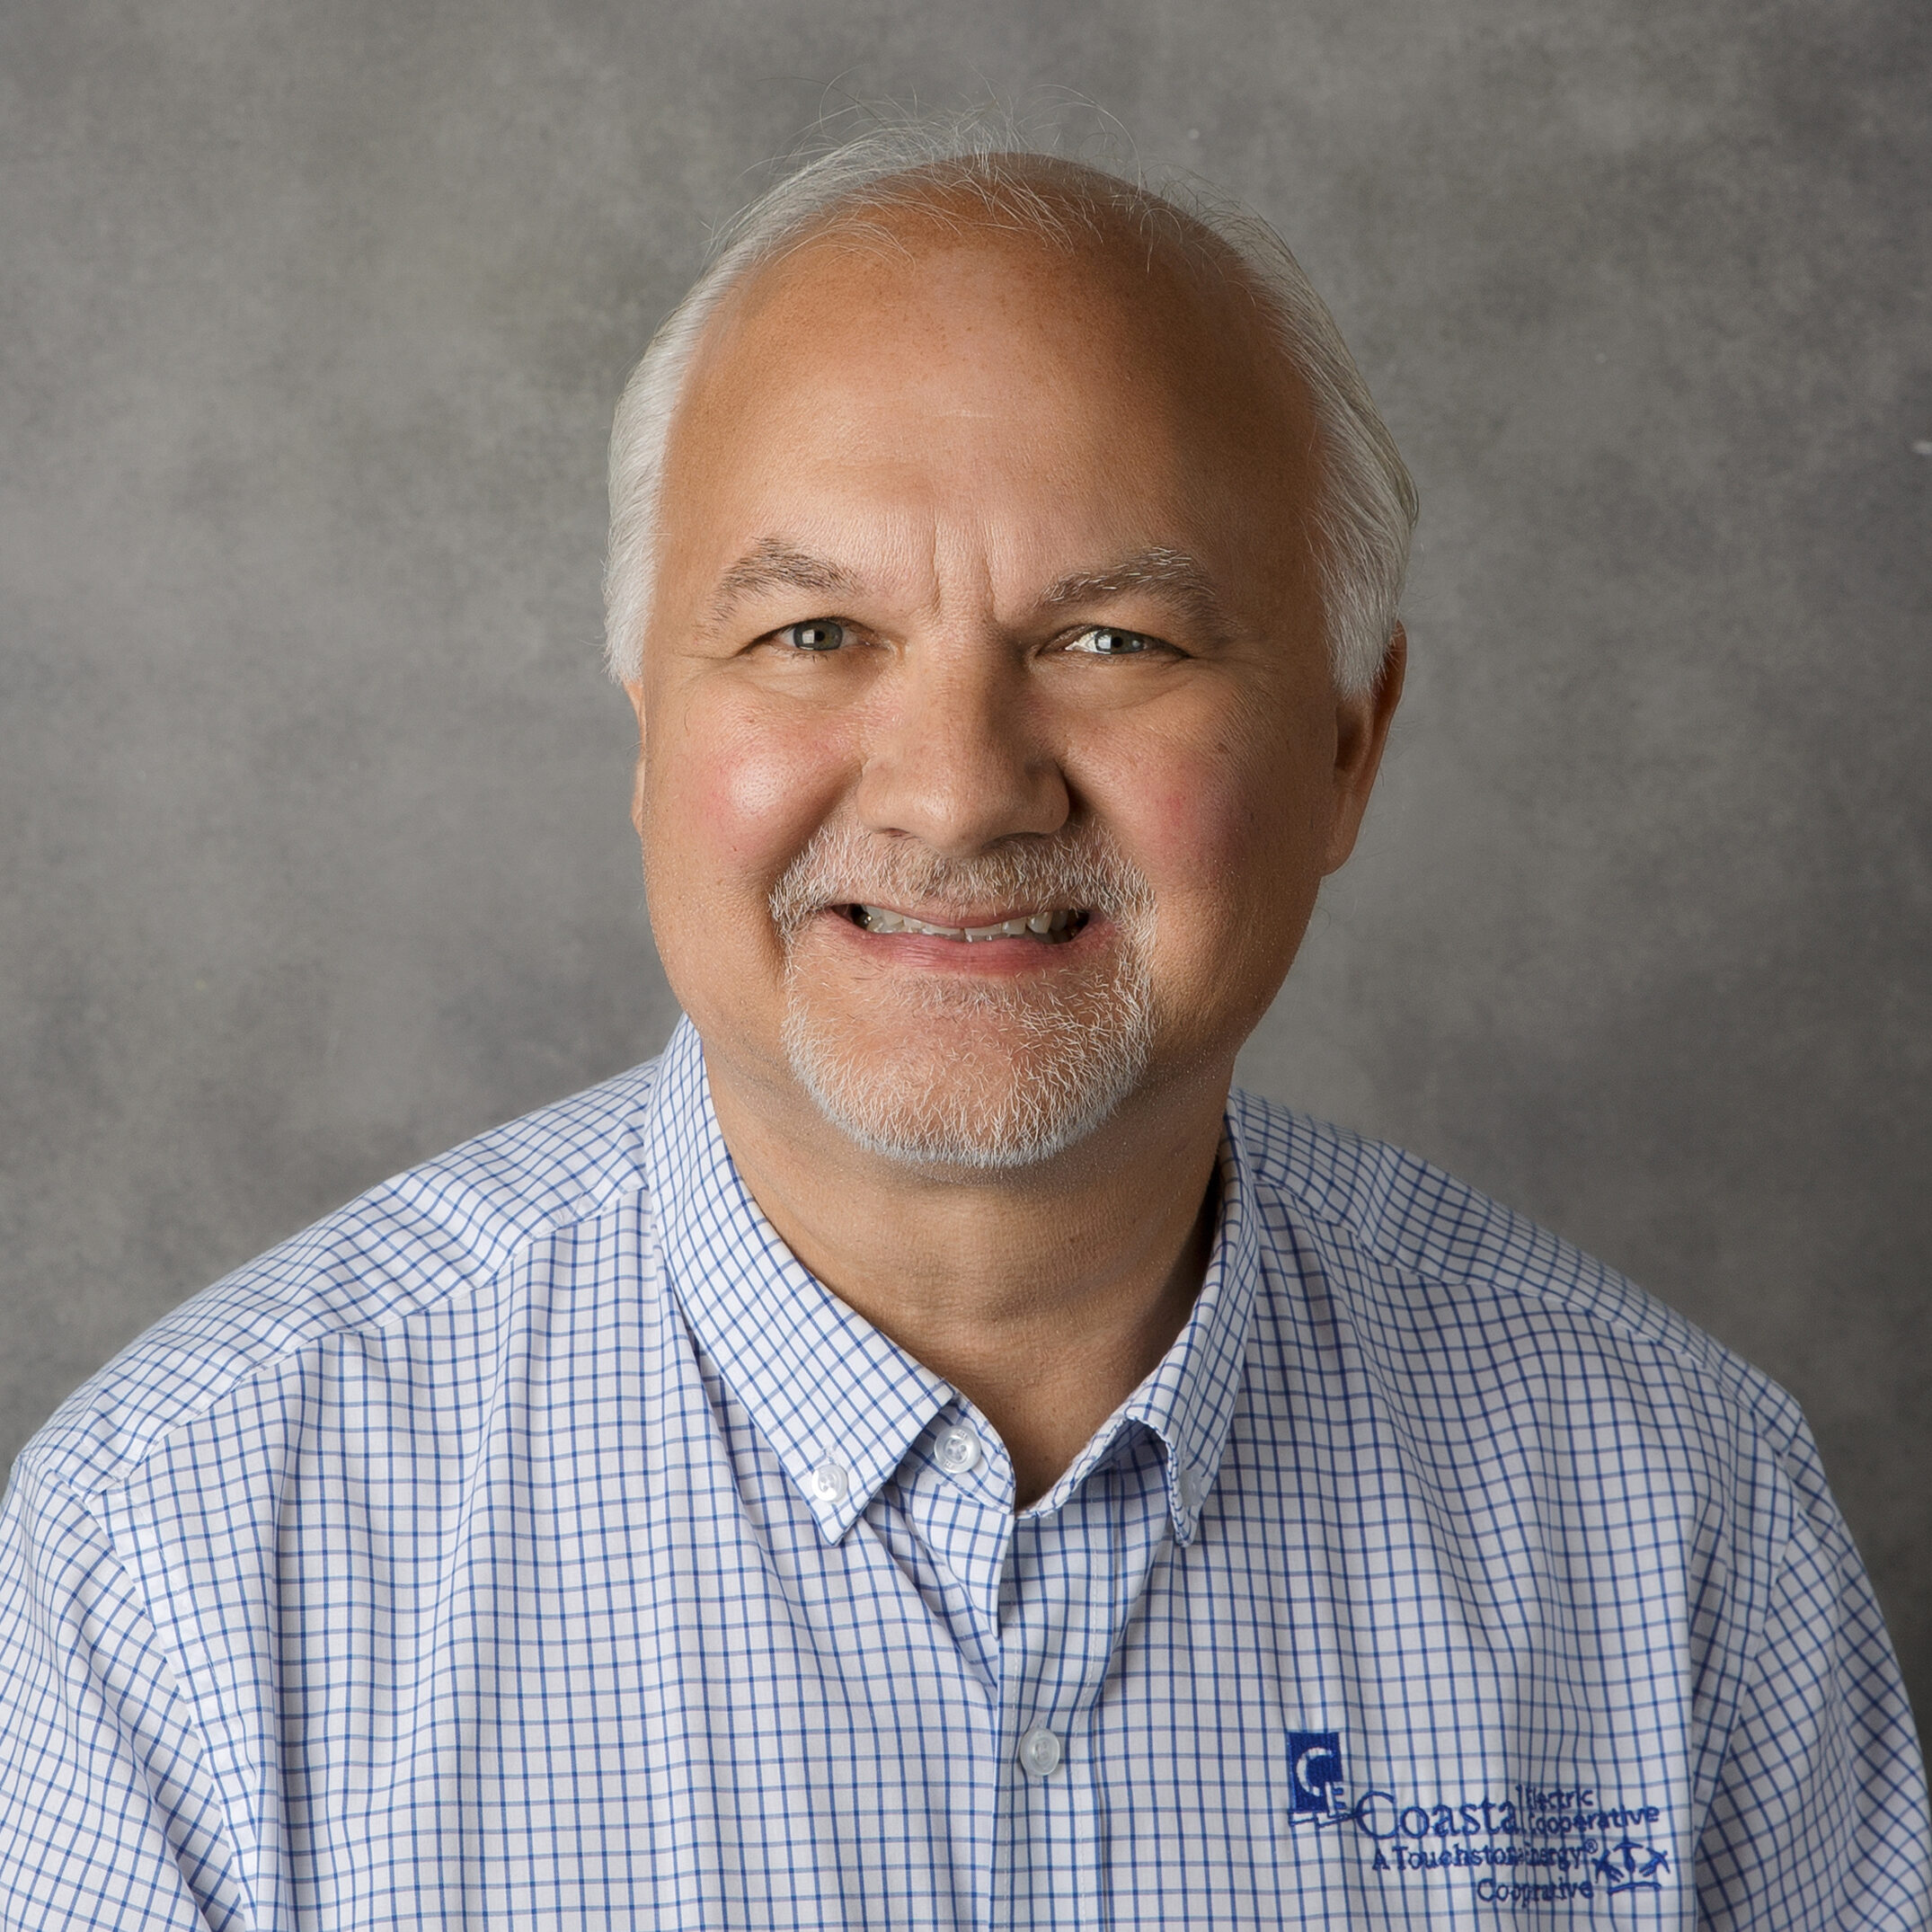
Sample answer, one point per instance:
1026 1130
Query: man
920 1453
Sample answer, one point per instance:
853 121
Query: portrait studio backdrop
314 855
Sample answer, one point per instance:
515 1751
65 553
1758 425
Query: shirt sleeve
1819 1818
108 1816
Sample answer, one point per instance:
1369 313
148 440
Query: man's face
985 603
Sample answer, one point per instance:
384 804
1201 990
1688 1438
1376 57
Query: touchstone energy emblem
1314 1773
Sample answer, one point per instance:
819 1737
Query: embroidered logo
1629 1867
1536 1845
1315 1771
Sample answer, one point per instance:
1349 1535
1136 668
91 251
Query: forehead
943 359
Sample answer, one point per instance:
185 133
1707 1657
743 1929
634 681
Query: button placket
1066 1602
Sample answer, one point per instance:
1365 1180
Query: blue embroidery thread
1315 1772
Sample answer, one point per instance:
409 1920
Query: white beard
970 1072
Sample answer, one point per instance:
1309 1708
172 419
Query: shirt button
1185 1485
830 1483
958 1450
1039 1752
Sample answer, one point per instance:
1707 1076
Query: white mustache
843 864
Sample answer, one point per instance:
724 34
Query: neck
1045 1296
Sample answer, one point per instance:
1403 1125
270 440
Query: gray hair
1366 509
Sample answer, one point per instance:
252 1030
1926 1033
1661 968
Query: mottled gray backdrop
313 851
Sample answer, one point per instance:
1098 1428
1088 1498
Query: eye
1103 641
816 634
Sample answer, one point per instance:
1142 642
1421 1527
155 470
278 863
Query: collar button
957 1451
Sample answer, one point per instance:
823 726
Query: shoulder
422 1241
1422 1251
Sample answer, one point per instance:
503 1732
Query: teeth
1039 925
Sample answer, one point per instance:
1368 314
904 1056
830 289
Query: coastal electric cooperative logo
1537 1845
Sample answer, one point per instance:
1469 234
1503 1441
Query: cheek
1195 828
1225 823
1207 823
732 794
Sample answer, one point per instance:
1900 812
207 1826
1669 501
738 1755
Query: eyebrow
774 564
1182 579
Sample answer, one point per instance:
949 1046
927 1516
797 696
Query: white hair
987 1074
1366 508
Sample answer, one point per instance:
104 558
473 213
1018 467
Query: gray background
312 799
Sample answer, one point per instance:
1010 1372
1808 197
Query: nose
958 755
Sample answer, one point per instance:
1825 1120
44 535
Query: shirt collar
1188 1402
839 1403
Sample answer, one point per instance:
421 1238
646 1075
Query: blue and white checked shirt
535 1543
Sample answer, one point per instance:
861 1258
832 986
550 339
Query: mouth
1053 927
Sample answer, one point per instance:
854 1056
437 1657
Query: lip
998 958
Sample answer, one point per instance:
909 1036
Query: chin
986 1076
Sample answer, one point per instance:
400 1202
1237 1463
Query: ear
633 689
1361 731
